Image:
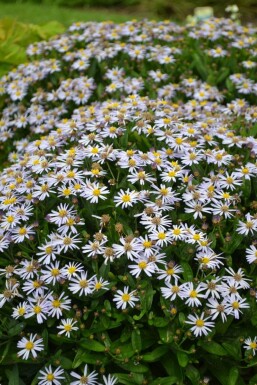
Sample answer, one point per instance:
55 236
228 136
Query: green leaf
193 374
253 380
136 340
93 345
233 349
201 68
233 376
156 354
13 375
86 357
15 330
159 322
164 381
224 72
166 334
65 363
231 246
6 350
133 367
182 359
187 271
253 130
124 378
213 347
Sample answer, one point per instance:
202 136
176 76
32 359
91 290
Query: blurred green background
67 11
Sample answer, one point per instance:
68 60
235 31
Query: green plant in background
16 36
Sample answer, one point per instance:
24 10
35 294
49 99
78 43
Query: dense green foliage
177 10
16 36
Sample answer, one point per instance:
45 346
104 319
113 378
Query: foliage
16 36
43 13
128 207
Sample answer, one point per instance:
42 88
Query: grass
40 14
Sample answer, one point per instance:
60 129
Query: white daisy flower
30 346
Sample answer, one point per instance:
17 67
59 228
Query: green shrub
16 36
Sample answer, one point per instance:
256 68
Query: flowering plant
128 212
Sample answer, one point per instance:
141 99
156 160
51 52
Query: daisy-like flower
22 232
129 247
81 285
170 271
192 294
142 264
208 260
236 278
67 326
85 378
72 269
30 346
110 380
161 237
126 198
251 254
201 325
66 242
251 344
247 227
171 291
123 298
100 284
20 310
58 304
166 194
60 216
235 304
50 376
93 192
217 308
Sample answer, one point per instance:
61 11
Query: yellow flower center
72 269
125 297
161 236
29 345
10 219
56 303
50 377
200 323
67 327
21 311
126 198
193 294
235 305
55 272
147 244
37 309
96 192
98 285
23 231
253 345
83 283
142 265
62 213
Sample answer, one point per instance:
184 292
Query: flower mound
128 222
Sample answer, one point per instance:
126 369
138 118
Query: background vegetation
161 8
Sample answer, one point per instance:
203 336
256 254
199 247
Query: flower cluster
128 222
